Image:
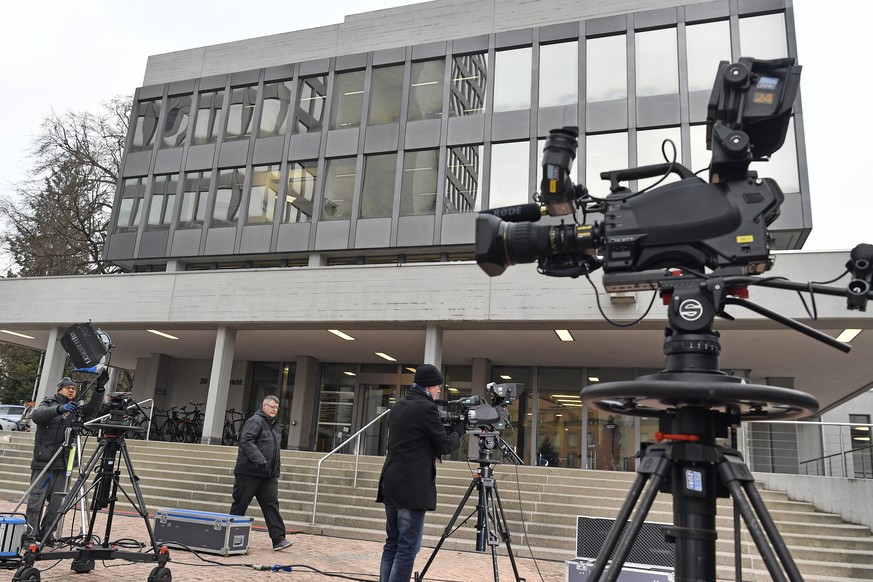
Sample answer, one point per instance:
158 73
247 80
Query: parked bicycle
233 422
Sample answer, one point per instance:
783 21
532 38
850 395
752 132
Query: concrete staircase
825 548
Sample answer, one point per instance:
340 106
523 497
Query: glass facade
263 194
195 195
209 106
228 196
163 201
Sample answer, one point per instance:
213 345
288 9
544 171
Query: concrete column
219 385
175 265
303 403
433 346
52 365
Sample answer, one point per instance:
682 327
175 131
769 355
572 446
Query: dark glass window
463 179
377 198
419 185
426 90
228 196
194 196
163 200
132 194
339 189
263 194
176 123
348 100
386 94
241 113
146 125
311 96
208 114
277 105
301 190
469 80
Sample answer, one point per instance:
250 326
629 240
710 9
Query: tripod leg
448 531
504 534
140 505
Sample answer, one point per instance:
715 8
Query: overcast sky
73 55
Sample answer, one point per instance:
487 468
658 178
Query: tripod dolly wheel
160 573
26 574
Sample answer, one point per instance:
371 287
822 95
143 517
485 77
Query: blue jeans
403 528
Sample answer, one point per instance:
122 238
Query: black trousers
245 488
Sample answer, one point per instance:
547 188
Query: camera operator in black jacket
53 417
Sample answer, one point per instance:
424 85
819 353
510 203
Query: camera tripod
489 508
696 403
105 465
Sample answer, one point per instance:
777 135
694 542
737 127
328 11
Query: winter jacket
260 444
52 425
416 437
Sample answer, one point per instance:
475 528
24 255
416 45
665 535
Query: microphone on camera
530 212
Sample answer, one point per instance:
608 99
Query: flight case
203 531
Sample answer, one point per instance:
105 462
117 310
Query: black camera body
119 402
479 414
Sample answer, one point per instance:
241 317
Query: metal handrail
138 405
357 439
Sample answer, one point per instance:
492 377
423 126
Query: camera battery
203 531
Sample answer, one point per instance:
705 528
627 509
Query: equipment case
579 570
214 533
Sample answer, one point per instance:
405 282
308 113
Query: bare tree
56 224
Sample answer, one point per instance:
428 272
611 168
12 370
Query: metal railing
355 437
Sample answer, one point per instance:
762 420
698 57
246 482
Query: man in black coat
258 464
53 417
407 485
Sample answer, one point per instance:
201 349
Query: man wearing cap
407 485
53 417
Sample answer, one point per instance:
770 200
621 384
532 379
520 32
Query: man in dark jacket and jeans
407 485
258 464
53 417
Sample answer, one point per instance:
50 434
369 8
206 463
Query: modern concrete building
297 213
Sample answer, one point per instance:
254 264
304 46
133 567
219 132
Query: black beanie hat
65 382
428 375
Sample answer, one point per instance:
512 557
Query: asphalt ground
311 558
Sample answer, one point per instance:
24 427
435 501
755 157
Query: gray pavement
311 557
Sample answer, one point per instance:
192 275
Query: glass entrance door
374 399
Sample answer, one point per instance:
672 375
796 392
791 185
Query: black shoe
279 546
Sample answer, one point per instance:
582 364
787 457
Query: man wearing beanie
53 417
407 485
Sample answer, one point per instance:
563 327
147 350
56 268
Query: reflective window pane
763 37
509 174
339 189
277 105
386 94
463 179
559 417
700 156
512 78
348 100
208 116
419 184
263 193
146 125
657 62
300 192
606 68
163 200
132 194
311 97
377 198
603 153
228 196
559 74
426 90
708 44
241 113
469 80
649 151
194 197
176 123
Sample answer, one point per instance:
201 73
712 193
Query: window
163 200
208 113
860 434
651 150
469 81
386 94
606 68
426 90
146 125
241 113
176 123
419 184
377 198
228 196
604 152
509 174
782 166
463 179
656 66
301 189
263 193
348 100
559 74
133 191
339 189
277 104
707 45
512 77
194 196
311 96
763 37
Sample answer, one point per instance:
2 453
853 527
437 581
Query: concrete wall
850 498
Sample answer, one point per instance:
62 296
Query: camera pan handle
652 171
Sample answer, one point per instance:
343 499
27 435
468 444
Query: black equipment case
203 531
650 558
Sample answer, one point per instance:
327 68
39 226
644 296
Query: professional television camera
479 413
